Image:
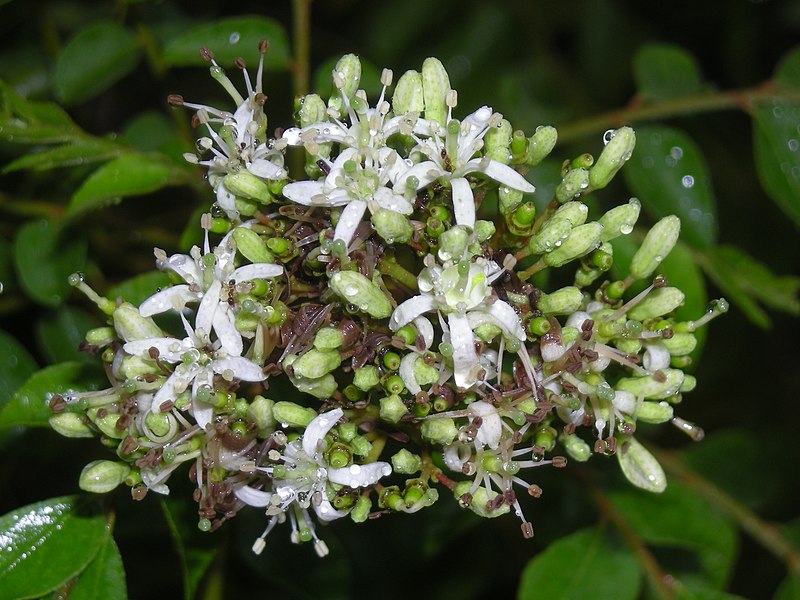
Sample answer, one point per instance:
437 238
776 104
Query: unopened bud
481 497
641 468
561 302
540 144
453 242
260 412
551 236
654 412
71 425
620 219
436 86
581 240
392 408
328 338
347 74
406 463
100 336
572 184
312 110
659 302
440 431
365 378
131 326
252 246
659 385
657 244
575 212
292 414
101 476
577 448
616 153
392 226
359 291
244 184
497 142
408 95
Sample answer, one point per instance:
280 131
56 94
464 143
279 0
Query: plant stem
301 10
764 533
389 266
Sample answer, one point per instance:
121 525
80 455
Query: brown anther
128 445
465 499
516 437
509 497
587 325
166 406
323 166
175 100
599 447
139 492
195 121
667 333
149 377
534 491
122 423
495 502
57 404
611 443
206 54
477 422
102 413
559 462
660 376
263 46
239 63
197 494
569 428
260 98
659 281
153 352
527 530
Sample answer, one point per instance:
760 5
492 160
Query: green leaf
787 73
69 155
669 175
582 565
29 404
149 131
663 71
195 552
789 588
228 39
128 175
60 333
25 122
103 578
44 257
137 289
679 518
94 59
47 543
16 365
776 142
682 271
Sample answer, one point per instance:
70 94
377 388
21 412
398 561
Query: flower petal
411 309
425 329
386 198
500 173
406 372
303 192
208 306
349 221
491 426
463 202
426 172
266 169
201 411
326 512
465 360
252 496
240 367
505 317
257 271
169 349
225 327
318 428
360 475
174 297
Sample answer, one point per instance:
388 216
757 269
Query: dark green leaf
680 518
29 404
44 257
682 271
664 71
669 175
97 57
149 131
25 122
776 137
582 565
69 155
137 289
128 175
195 552
60 333
47 543
787 73
789 589
103 578
228 39
16 365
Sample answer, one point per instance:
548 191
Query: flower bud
484 230
328 338
131 326
479 500
641 468
392 226
292 415
106 422
620 219
101 476
551 236
540 144
408 94
100 336
572 184
561 302
346 78
356 289
406 463
497 142
581 240
440 431
360 513
252 246
577 448
261 412
244 184
436 86
654 412
312 110
575 212
657 303
392 408
70 424
658 242
323 387
365 378
509 200
660 385
425 374
452 243
689 383
316 363
616 153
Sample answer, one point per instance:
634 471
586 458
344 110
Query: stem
389 266
764 533
532 270
742 99
301 10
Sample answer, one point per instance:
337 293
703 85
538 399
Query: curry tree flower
462 292
302 479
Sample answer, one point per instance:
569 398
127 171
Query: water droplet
608 136
793 145
625 228
234 38
777 112
687 181
676 152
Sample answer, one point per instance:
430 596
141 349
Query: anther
534 491
263 46
559 462
239 63
206 54
527 530
175 100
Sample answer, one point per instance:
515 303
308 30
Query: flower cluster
389 304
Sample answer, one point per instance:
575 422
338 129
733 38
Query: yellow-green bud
616 153
356 289
435 86
453 242
551 236
480 498
131 326
158 423
328 338
408 95
658 242
620 219
440 431
246 185
509 199
484 230
392 408
392 226
133 366
316 363
347 74
100 336
497 142
655 387
365 378
292 414
424 373
540 144
577 448
657 303
107 423
251 246
101 476
582 239
312 110
575 212
628 346
360 513
572 184
561 302
689 383
654 412
70 425
261 411
406 463
640 467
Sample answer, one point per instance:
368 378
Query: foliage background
557 63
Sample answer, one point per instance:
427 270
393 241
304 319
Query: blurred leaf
103 578
787 73
196 552
47 543
228 39
137 289
663 71
776 137
149 131
29 404
682 271
679 518
44 257
69 155
669 175
24 122
581 565
789 588
94 59
59 334
692 592
16 365
128 175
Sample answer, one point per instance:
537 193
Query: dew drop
625 228
608 136
793 145
234 38
687 181
676 152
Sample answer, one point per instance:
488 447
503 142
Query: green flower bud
572 184
657 303
392 408
480 498
365 378
640 467
312 110
487 331
620 219
408 94
689 383
261 412
424 373
360 512
654 412
100 336
132 326
616 153
655 387
435 86
569 335
628 346
581 240
245 207
561 302
577 448
251 246
484 230
406 463
658 242
540 144
328 338
361 445
106 423
551 236
440 431
158 423
356 289
292 415
246 185
134 366
509 200
392 226
101 476
575 212
70 425
497 142
347 74
316 363
347 431
453 242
